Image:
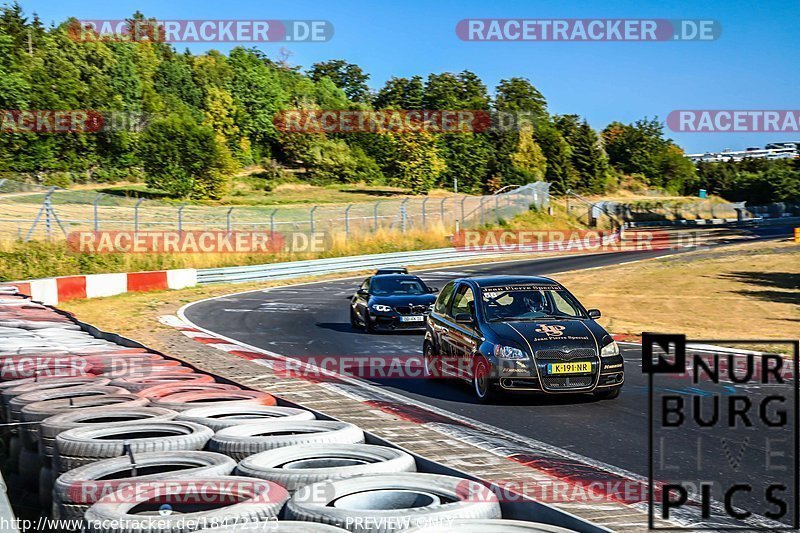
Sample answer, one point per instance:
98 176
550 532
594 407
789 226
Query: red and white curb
52 291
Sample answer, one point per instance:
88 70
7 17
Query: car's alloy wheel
432 364
368 325
481 383
354 320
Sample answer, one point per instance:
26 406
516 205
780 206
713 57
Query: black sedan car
520 333
391 302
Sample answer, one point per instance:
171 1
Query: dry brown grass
748 291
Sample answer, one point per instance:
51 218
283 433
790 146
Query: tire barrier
95 417
238 500
294 467
75 491
488 526
157 392
121 435
392 501
222 416
248 439
16 404
137 384
81 446
39 411
282 526
183 401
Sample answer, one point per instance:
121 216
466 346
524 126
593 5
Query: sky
751 66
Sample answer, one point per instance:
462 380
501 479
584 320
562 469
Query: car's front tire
482 386
609 394
368 325
354 320
431 361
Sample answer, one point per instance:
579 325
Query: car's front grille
569 382
412 309
558 355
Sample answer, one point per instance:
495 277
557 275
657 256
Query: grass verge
747 291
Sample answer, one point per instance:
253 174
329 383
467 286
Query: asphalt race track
312 320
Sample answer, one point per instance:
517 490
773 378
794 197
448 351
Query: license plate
412 318
569 368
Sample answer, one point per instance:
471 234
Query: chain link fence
34 212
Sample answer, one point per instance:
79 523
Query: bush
185 158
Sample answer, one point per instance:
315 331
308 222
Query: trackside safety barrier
313 267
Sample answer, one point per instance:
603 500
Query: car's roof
395 276
494 281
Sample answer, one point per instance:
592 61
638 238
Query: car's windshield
385 286
523 302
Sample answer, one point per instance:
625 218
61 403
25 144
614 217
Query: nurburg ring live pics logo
723 436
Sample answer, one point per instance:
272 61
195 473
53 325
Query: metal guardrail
296 269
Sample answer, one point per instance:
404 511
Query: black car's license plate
569 368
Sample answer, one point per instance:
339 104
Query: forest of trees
212 114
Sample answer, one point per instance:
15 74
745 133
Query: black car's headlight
609 350
381 308
509 352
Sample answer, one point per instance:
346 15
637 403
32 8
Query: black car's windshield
528 303
390 285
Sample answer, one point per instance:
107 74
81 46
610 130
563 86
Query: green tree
557 152
347 76
418 161
528 158
184 158
587 155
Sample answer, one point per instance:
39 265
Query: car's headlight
507 352
610 349
381 308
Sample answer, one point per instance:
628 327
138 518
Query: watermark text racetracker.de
734 120
525 241
200 31
400 121
196 241
588 30
59 121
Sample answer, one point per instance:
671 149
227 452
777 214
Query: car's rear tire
609 394
482 386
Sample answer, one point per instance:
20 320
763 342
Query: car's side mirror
594 313
362 292
433 290
463 318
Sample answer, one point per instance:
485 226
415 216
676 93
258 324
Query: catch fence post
180 217
136 216
347 221
312 222
403 215
375 216
95 210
